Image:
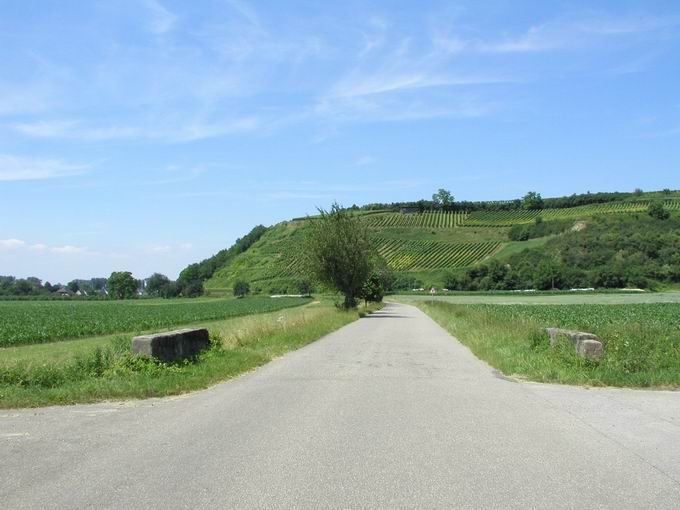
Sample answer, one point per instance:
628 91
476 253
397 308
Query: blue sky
143 135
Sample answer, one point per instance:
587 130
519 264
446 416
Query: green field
530 298
23 322
641 341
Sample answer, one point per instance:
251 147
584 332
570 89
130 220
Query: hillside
427 248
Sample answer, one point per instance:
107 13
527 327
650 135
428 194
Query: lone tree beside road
339 252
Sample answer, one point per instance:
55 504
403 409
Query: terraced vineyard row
442 219
431 219
508 218
403 255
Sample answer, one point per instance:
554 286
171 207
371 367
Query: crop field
432 219
25 322
641 341
592 317
403 255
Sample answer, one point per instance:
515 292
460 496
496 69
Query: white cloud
45 129
166 248
572 34
364 160
16 168
159 248
390 108
22 99
381 83
68 249
162 20
170 130
10 244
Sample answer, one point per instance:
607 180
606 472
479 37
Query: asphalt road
388 412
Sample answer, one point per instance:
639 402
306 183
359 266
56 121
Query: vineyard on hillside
442 219
431 219
404 255
401 255
420 242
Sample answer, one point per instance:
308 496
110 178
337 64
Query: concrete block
173 345
591 349
587 345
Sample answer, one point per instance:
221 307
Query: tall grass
642 352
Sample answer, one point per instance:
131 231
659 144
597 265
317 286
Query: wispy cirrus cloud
576 33
364 161
161 19
244 73
171 131
451 74
17 168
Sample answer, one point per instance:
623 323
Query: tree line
532 200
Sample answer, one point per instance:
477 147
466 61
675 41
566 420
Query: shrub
657 211
241 288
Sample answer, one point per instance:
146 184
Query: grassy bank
103 368
544 298
641 342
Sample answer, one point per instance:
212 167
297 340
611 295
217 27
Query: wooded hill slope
440 247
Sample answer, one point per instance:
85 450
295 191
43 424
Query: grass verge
641 342
106 370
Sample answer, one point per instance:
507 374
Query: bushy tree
532 201
443 198
190 281
339 252
241 288
191 288
547 275
160 285
405 281
305 287
656 210
24 288
122 285
375 286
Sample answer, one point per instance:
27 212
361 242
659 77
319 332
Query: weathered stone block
589 349
587 345
173 345
574 336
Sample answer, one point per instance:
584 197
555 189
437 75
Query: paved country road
388 412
